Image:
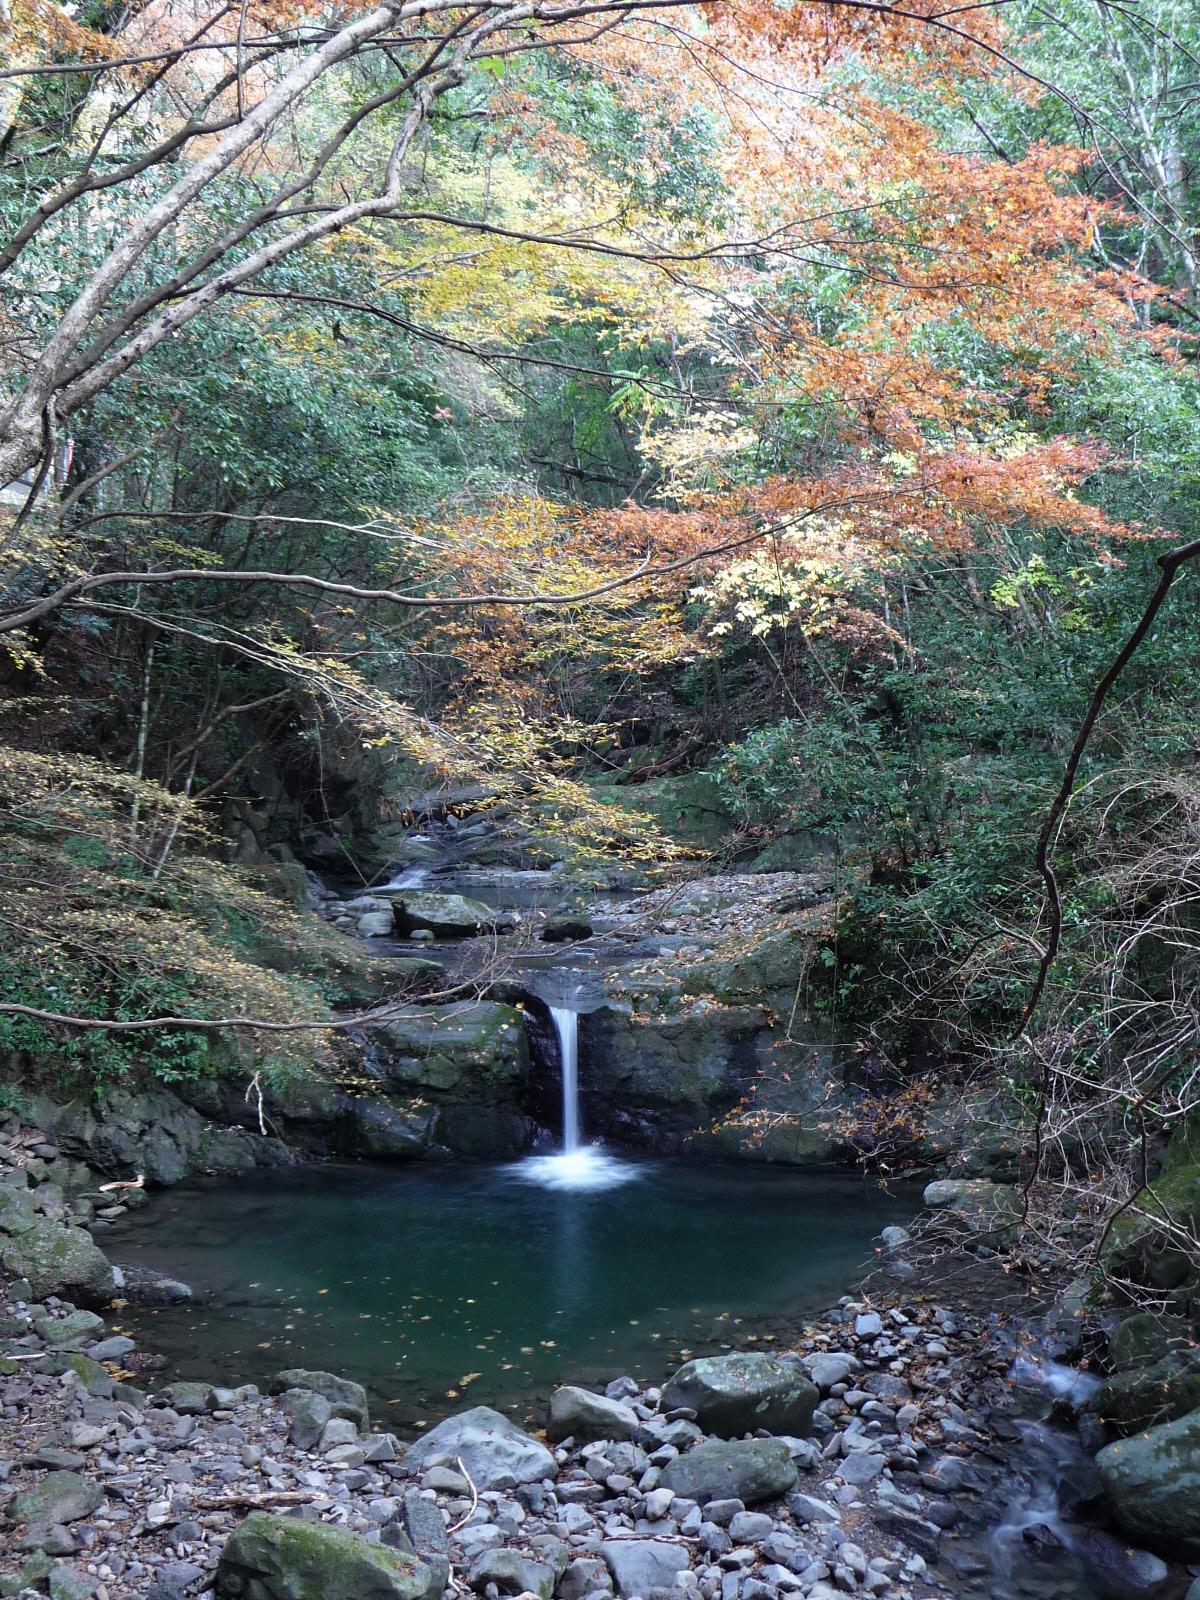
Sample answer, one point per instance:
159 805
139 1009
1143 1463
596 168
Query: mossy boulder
467 1065
282 1558
446 916
689 807
1144 1396
452 1048
1153 1482
742 1392
1146 1338
59 1498
57 1259
1140 1248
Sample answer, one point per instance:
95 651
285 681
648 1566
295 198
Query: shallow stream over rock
439 1286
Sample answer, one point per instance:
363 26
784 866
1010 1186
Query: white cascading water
566 1025
577 1165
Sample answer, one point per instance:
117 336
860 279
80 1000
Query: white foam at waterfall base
585 1168
577 1165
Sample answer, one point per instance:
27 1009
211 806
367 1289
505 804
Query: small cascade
410 878
577 1165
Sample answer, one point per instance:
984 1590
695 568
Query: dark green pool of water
440 1286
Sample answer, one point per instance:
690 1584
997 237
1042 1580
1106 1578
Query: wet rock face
155 1134
467 1065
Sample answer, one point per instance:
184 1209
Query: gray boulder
496 1453
749 1470
1153 1481
580 1415
512 1573
740 1393
281 1558
640 1566
585 1575
1119 1570
72 1330
346 1398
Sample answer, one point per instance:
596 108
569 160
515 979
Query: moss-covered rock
468 1066
742 1392
1140 1247
1144 1396
1153 1481
57 1259
688 807
59 1498
281 1558
1146 1337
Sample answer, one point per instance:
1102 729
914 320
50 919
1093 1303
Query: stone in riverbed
1119 1570
512 1573
424 1525
346 1399
60 1497
496 1453
738 1393
70 1330
1153 1481
749 1470
584 1576
585 1417
68 1583
281 1558
310 1414
826 1370
449 916
640 1566
114 1349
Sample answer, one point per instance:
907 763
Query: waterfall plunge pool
445 1286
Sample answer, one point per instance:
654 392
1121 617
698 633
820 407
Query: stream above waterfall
439 1286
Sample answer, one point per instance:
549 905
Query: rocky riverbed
876 1458
905 1447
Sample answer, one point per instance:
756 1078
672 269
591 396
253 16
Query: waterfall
566 1025
576 1165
